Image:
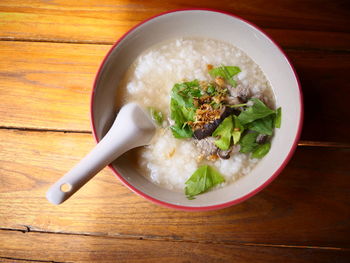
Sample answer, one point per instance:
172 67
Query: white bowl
214 25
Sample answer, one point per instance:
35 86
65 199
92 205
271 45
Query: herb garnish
248 142
257 111
264 125
224 131
197 103
204 178
157 116
258 119
211 89
260 151
182 108
237 105
226 72
183 93
237 130
278 118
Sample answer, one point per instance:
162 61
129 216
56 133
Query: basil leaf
191 84
181 99
229 79
232 70
226 72
237 130
278 118
181 132
176 113
224 130
181 115
204 178
264 125
248 142
257 111
261 150
183 93
156 115
188 113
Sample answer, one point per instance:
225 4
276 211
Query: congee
214 108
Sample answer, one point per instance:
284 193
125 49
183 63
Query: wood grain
104 21
22 260
53 83
323 78
307 205
48 85
305 40
107 249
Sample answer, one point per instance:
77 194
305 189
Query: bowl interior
214 25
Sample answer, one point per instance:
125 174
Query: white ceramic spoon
132 128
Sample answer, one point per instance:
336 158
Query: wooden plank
49 85
325 88
22 260
106 249
54 81
105 21
301 39
307 205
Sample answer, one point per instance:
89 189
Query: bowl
211 24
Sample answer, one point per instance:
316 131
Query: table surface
50 52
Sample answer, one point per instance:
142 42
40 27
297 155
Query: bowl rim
211 207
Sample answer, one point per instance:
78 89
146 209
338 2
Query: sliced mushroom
209 128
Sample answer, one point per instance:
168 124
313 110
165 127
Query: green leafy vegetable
237 105
181 115
211 89
257 111
237 130
261 150
248 142
188 113
183 93
181 132
224 130
215 105
204 178
176 113
182 109
278 118
264 125
157 115
226 72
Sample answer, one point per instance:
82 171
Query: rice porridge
177 151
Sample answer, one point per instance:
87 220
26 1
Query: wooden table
49 54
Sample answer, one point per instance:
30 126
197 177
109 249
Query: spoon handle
81 173
127 132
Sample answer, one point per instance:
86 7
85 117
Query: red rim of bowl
212 207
